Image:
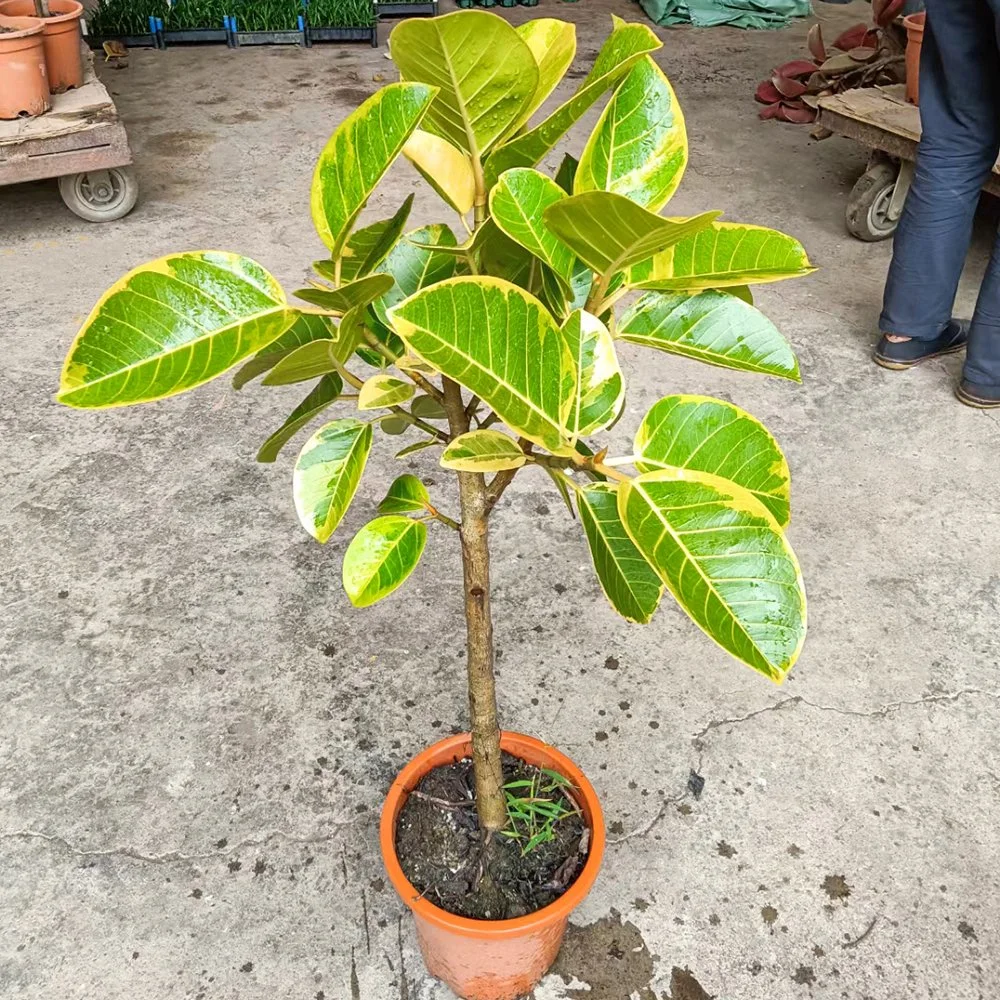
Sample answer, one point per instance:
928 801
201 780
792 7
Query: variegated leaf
517 204
709 326
482 451
610 232
448 170
327 474
484 72
600 388
726 561
171 325
628 581
639 146
626 44
341 300
553 44
381 556
359 153
500 343
713 436
382 391
414 263
307 328
724 255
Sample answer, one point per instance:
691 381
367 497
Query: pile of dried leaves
865 56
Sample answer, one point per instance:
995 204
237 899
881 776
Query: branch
470 410
443 518
503 479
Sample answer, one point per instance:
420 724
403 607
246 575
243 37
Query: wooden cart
881 119
83 143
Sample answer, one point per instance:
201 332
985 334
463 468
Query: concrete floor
196 730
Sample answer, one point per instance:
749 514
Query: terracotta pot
914 25
24 87
491 959
63 58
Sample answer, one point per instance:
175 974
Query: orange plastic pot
914 24
24 86
491 959
63 59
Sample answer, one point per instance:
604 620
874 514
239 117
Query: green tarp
738 13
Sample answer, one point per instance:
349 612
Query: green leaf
639 147
713 436
600 388
381 556
413 263
326 392
327 474
305 363
345 298
610 232
562 488
517 203
566 174
626 44
724 558
407 495
628 581
359 153
448 170
709 326
411 449
500 343
391 424
428 408
366 248
382 391
485 74
307 328
725 254
171 325
553 44
482 451
741 292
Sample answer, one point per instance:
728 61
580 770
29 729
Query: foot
899 353
983 397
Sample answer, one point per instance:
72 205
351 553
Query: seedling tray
342 35
270 38
191 36
407 8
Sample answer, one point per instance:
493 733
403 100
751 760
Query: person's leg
959 100
981 376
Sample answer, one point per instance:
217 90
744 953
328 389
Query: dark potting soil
441 851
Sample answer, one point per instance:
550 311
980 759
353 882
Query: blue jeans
960 117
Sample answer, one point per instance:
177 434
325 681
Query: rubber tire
869 190
79 205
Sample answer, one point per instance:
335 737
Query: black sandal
907 353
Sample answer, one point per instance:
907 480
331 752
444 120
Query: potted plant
24 85
512 324
341 21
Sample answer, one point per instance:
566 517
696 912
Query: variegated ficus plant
495 340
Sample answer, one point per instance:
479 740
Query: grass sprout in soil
266 15
443 854
340 13
189 15
110 18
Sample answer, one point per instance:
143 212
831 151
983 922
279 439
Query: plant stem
486 760
415 377
42 8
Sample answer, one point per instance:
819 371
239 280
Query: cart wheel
868 204
100 195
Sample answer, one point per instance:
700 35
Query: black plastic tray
407 8
131 41
195 35
343 35
293 37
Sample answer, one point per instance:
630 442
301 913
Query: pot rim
73 14
559 910
35 26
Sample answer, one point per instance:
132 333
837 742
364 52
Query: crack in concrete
174 857
696 739
881 712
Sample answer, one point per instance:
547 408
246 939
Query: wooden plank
74 111
97 149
